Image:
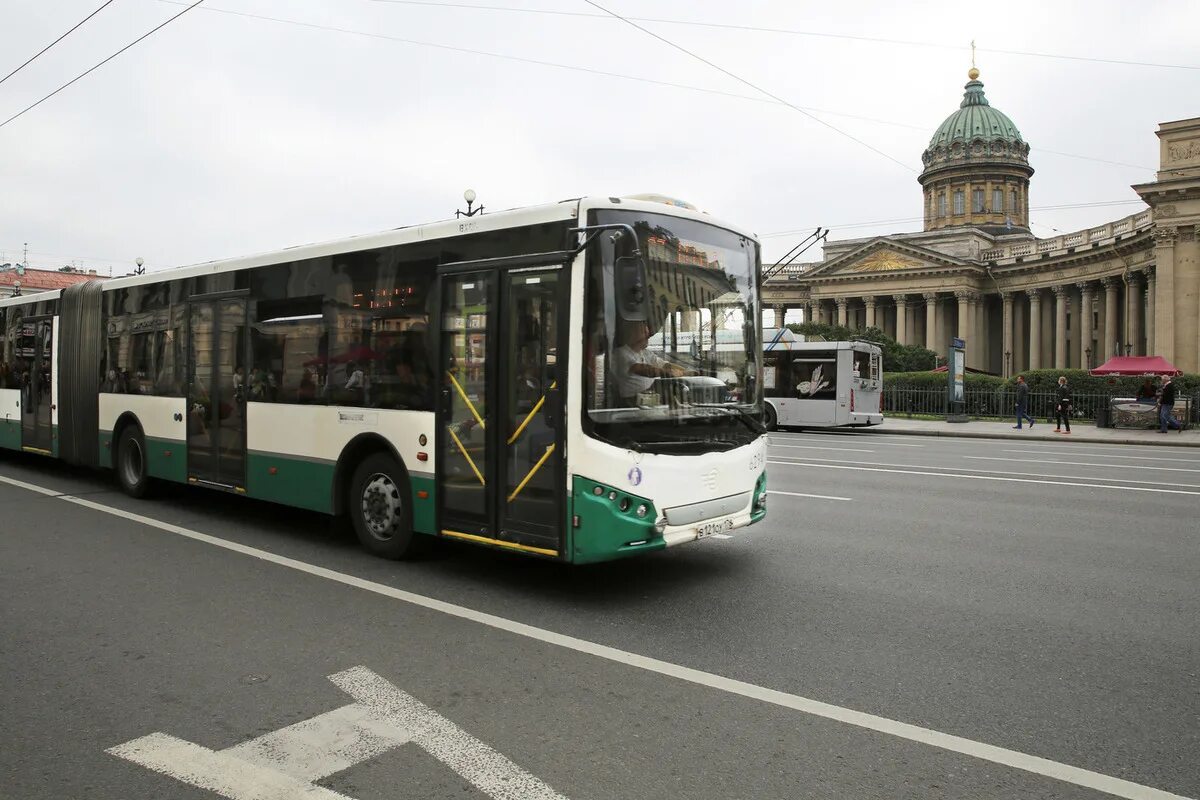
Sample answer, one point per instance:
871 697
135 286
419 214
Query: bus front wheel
380 506
131 462
770 417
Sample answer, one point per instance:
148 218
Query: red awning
1136 365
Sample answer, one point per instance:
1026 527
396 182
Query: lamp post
140 269
1128 349
469 196
1008 362
1087 352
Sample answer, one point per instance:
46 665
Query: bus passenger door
37 398
533 483
216 381
500 475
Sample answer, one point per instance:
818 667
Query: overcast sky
225 135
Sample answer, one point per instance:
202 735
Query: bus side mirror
631 284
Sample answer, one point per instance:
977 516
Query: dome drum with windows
977 169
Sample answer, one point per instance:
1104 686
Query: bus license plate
709 528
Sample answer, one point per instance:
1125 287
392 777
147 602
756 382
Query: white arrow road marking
283 764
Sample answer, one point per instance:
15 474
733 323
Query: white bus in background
820 384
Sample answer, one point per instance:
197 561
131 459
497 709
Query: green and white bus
544 380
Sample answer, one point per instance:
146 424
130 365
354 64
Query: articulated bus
821 384
533 380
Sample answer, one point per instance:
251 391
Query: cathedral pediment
883 256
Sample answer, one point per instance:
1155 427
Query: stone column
841 310
1108 320
869 302
1164 267
1060 327
901 318
1085 324
1008 355
1150 290
964 314
979 316
780 311
931 306
1133 313
1020 339
1035 328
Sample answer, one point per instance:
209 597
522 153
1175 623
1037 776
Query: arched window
959 200
977 201
941 204
997 200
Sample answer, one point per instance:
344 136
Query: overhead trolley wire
600 72
56 41
793 32
102 63
757 88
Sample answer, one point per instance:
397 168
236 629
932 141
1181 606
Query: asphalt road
1042 598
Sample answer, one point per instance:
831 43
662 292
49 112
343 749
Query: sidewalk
1042 431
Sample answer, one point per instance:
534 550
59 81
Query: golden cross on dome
973 72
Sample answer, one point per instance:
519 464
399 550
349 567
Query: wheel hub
381 506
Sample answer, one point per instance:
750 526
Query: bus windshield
674 349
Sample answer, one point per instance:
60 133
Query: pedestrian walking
1062 409
1022 403
1166 407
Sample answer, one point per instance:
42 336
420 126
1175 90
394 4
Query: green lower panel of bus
10 434
165 458
308 483
603 530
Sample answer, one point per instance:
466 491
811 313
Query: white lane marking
719 536
812 447
284 764
814 496
31 487
217 771
484 768
1006 472
1100 455
1084 464
985 477
1037 765
805 437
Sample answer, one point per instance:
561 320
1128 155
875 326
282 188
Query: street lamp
469 196
140 270
1008 362
1128 349
1087 352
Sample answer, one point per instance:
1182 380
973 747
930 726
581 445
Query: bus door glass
35 346
499 419
217 390
531 509
465 430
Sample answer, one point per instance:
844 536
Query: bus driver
636 367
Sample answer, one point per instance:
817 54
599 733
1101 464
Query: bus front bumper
712 518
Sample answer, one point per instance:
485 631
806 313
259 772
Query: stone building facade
1020 302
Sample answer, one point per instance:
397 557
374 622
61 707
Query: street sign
286 763
958 344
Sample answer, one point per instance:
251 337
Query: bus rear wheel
770 417
380 505
131 462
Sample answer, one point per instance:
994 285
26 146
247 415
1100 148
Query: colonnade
1069 325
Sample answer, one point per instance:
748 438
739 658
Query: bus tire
130 462
770 417
380 506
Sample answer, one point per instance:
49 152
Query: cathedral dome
976 168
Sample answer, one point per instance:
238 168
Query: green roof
975 119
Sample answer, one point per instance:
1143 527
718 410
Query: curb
966 434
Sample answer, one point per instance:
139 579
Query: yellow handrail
466 399
463 450
532 472
529 416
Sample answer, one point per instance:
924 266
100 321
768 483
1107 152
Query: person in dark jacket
1062 409
1022 402
1166 407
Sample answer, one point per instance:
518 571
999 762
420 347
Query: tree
896 357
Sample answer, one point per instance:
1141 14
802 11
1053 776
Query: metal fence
999 403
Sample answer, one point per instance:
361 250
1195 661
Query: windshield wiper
745 416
